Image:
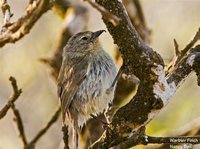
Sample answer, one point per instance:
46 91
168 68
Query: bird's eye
84 38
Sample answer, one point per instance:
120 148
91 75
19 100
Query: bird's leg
117 76
132 78
105 124
115 80
98 119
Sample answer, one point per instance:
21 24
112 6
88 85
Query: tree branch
41 132
5 7
180 54
155 88
189 63
140 60
16 30
132 141
112 18
190 129
139 11
18 120
16 93
135 12
177 52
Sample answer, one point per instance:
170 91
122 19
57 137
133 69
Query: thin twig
105 13
18 120
16 93
180 54
191 44
177 52
43 130
5 7
137 18
140 11
18 29
188 46
173 62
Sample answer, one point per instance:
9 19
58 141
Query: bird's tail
75 135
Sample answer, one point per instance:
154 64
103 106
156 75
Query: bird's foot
98 119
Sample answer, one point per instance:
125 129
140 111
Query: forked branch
18 29
16 93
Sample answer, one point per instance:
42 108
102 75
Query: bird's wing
69 80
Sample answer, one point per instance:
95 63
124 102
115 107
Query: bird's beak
97 34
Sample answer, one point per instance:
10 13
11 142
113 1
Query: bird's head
83 42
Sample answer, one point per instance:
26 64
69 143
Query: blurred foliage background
167 19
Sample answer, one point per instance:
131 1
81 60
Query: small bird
86 81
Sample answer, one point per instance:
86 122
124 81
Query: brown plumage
85 79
